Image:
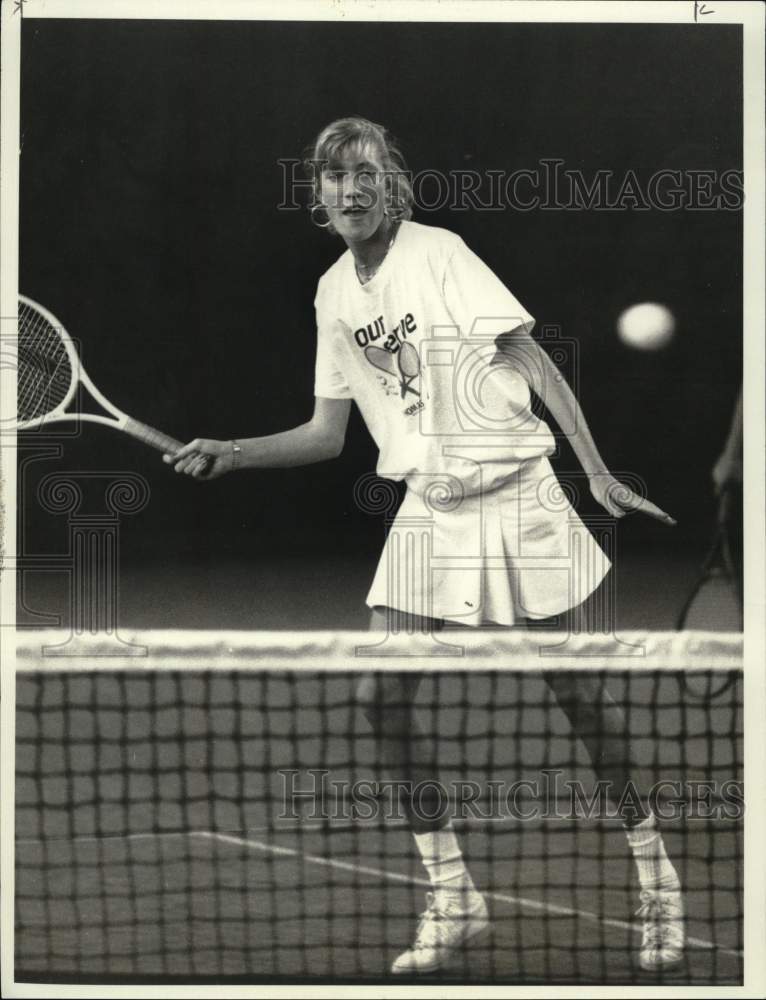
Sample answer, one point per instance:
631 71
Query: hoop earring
319 225
395 212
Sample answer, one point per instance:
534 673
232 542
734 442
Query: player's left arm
519 348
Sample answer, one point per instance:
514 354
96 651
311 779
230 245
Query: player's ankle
458 883
442 857
458 894
667 882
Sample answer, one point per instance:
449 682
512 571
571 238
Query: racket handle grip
155 439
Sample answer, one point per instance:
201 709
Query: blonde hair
338 136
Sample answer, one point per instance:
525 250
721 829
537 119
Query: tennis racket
409 366
49 371
715 599
407 369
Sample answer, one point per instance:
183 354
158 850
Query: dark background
150 227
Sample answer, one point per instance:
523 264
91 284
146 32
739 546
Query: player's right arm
318 440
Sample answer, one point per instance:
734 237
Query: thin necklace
365 272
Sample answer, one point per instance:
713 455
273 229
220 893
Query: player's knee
564 689
365 697
581 701
382 701
577 689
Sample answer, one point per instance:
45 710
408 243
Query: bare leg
456 911
600 724
407 755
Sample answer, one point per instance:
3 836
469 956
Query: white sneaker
664 934
451 918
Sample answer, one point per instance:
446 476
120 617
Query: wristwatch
236 455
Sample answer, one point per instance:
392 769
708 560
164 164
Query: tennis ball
647 326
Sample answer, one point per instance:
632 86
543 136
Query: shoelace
665 915
426 935
428 917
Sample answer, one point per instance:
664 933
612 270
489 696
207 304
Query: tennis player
727 479
380 310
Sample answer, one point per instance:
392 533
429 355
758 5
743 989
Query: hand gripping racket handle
147 434
156 439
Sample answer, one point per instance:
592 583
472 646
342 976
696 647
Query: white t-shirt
413 348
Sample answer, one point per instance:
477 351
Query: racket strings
409 366
44 369
404 365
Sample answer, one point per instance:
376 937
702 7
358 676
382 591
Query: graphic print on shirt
396 357
405 365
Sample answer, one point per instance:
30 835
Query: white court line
150 835
318 826
501 897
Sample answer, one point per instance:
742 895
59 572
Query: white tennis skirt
518 551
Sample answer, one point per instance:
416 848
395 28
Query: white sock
655 869
443 859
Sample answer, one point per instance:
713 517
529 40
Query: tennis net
211 806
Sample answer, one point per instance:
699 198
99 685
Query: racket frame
386 362
119 420
58 414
